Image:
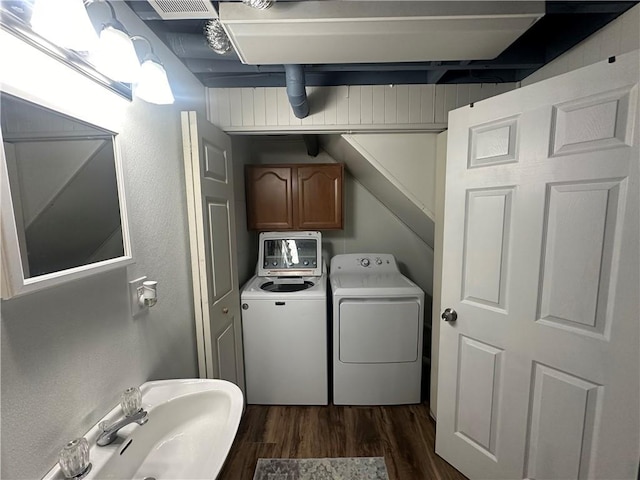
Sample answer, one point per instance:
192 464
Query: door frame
196 244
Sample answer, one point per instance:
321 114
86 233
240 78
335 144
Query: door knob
225 310
449 315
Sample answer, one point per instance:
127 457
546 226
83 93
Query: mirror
63 218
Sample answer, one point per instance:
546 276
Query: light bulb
116 57
153 85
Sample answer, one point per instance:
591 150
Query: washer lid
252 290
290 254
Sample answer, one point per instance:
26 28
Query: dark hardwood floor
403 435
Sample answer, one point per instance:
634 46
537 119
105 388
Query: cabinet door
269 198
319 200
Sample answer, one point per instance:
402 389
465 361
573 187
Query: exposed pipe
312 144
294 76
188 45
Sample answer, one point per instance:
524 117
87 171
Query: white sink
192 424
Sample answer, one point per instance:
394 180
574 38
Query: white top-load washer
284 322
377 331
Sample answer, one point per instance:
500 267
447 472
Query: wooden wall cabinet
294 196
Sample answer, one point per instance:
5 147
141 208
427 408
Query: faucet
110 433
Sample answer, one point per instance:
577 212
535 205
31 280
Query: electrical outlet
135 288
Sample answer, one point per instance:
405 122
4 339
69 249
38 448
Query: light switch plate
134 286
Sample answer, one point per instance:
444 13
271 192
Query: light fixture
153 84
116 57
64 23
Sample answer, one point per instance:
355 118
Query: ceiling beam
436 69
435 75
574 7
273 79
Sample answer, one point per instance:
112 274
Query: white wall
68 352
408 160
247 241
618 37
368 171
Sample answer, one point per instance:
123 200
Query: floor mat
356 468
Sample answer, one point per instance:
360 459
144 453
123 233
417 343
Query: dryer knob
378 261
365 262
245 306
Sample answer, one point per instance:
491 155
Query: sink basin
192 424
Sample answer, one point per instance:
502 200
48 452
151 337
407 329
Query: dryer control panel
361 262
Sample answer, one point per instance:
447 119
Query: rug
355 468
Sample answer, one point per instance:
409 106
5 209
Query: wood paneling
403 435
345 108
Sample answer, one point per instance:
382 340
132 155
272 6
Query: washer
377 331
284 322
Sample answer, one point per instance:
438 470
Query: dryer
377 331
284 322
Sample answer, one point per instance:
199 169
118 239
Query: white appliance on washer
377 331
284 322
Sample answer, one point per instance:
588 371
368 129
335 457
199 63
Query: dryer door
379 330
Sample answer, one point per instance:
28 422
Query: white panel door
539 375
210 202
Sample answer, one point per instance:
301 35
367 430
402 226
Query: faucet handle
74 458
131 401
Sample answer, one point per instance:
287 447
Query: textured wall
68 352
247 241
